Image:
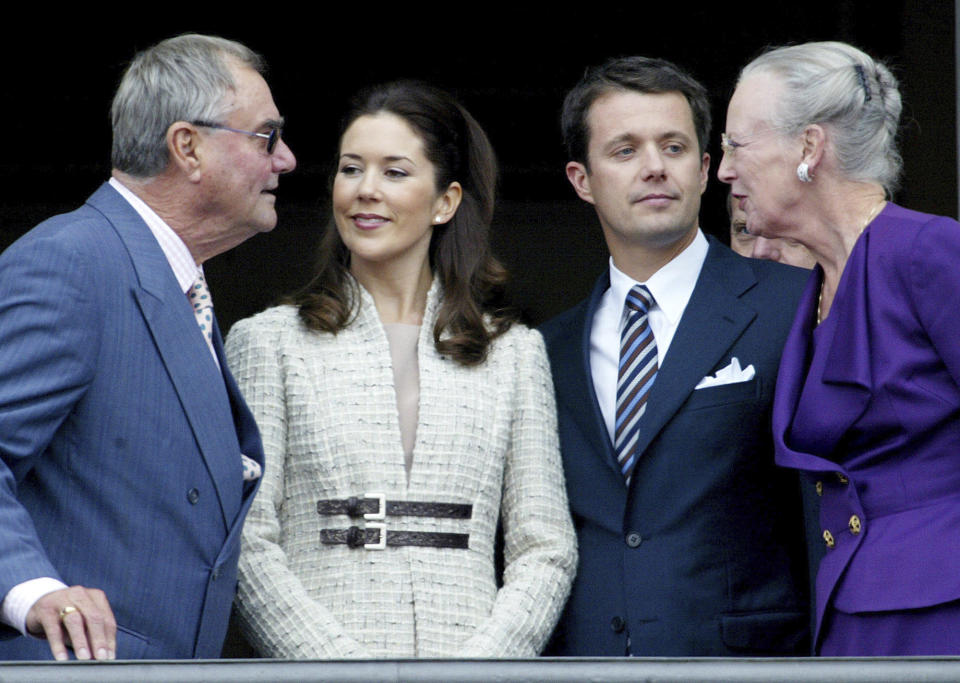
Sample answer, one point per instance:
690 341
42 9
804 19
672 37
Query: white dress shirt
671 287
20 598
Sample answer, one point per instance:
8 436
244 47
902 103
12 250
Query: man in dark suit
128 458
691 540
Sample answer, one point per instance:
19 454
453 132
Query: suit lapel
848 372
182 349
847 378
797 352
244 423
592 418
574 380
712 321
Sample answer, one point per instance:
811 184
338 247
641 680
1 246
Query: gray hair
843 88
185 78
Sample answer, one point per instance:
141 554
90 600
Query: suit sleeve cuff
22 597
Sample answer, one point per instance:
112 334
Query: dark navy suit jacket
704 554
120 439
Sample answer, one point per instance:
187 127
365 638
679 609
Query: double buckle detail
375 525
381 513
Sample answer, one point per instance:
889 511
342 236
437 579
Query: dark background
510 68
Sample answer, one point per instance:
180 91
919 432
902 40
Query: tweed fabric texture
486 436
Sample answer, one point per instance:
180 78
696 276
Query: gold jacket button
819 487
842 479
854 525
828 538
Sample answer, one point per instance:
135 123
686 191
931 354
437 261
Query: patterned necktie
202 307
638 370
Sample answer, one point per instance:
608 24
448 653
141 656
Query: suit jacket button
193 495
216 574
828 538
842 479
634 539
819 488
617 624
854 525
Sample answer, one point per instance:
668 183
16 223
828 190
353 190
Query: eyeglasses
272 137
729 146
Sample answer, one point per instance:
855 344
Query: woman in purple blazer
868 395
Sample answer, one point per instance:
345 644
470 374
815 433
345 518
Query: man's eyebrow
675 134
630 137
619 140
274 123
623 137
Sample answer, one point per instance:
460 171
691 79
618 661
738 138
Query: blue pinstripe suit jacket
120 439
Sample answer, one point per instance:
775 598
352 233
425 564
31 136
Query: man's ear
183 146
704 172
579 177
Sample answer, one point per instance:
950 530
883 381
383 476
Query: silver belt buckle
382 543
381 513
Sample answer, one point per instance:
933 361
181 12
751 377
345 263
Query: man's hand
75 617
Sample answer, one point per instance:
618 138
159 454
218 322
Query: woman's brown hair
473 310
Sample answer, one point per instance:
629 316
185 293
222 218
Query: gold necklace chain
870 216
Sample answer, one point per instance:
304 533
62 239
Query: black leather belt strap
357 507
355 537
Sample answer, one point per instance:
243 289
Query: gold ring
67 609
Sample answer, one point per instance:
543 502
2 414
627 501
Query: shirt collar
185 269
672 285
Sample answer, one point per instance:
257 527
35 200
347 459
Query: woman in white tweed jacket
402 414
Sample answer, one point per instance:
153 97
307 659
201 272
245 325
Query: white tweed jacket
327 410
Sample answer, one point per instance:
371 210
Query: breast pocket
724 394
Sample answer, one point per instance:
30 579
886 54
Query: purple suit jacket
869 404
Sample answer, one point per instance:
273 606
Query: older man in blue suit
691 540
128 455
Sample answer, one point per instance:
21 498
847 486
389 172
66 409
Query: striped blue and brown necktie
638 370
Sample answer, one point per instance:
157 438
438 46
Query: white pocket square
731 374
